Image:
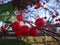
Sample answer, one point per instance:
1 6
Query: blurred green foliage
6 11
13 42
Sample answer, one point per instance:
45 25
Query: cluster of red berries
26 30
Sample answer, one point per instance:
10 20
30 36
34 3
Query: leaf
6 11
9 22
6 7
13 42
3 18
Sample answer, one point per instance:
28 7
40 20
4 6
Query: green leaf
6 7
13 42
9 22
3 18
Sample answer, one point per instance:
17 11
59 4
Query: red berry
57 14
25 30
19 33
16 26
53 16
44 3
34 32
3 28
59 19
40 22
38 5
19 17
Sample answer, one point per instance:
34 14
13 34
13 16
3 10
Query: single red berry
25 30
53 16
38 5
19 17
57 14
16 26
40 22
44 3
3 28
59 19
34 32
